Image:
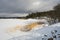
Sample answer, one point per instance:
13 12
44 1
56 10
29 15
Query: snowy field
10 29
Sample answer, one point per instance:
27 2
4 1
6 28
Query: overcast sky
21 6
26 6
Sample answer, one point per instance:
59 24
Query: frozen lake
10 28
7 27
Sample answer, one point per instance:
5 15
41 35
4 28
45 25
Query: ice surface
35 34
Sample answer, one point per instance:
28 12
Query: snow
34 34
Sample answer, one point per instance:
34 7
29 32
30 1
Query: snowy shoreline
31 35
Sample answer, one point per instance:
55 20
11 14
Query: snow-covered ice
34 34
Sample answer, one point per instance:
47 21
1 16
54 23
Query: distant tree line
52 13
12 17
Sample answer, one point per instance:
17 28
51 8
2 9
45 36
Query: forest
52 13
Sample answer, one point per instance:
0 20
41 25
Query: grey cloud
22 6
13 14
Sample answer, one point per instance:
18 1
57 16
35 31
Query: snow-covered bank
40 33
34 34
